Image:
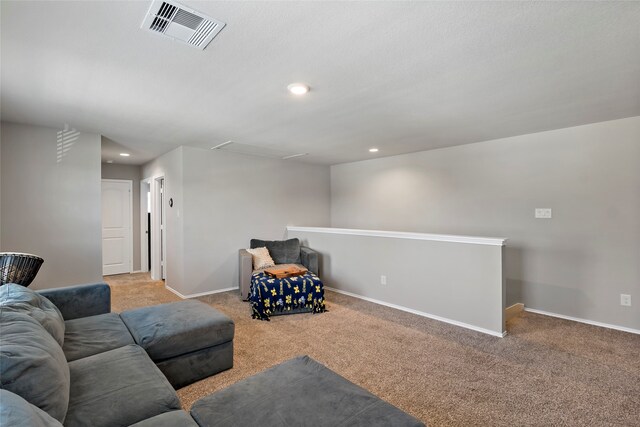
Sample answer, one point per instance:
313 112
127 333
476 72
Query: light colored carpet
546 372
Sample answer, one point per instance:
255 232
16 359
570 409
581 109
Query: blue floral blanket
270 295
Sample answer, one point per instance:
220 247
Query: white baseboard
201 294
139 271
588 322
420 313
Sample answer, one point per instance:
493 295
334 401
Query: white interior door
116 226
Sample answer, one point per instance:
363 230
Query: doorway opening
161 219
145 225
153 246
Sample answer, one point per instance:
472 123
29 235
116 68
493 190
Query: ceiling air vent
180 23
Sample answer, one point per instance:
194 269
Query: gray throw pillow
23 300
282 251
16 412
32 364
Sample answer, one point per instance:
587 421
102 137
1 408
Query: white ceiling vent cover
180 23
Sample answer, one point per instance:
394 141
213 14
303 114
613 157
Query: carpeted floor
546 372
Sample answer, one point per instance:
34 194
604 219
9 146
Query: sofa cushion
117 388
168 419
282 251
91 335
32 364
80 300
18 298
17 412
177 328
296 393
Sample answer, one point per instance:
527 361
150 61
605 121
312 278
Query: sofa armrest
245 263
81 300
309 259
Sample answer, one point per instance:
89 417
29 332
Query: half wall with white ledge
454 279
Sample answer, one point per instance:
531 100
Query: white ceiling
401 76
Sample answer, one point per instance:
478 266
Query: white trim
201 294
130 182
420 313
156 269
494 241
139 271
588 322
162 203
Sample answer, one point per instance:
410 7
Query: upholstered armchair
282 251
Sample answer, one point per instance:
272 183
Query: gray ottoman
299 392
188 340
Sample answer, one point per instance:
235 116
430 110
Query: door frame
130 248
144 207
156 268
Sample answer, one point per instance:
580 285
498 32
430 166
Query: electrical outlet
543 213
625 299
383 280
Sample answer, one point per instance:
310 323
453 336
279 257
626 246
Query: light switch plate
543 213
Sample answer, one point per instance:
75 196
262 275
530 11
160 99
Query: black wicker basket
18 268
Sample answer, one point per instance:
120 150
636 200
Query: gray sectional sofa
67 360
74 362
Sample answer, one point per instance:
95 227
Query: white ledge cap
493 241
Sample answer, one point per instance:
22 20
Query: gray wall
131 173
230 198
51 202
422 275
575 264
222 200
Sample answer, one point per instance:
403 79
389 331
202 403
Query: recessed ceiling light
373 150
125 154
298 88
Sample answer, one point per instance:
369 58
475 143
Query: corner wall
51 201
575 264
221 200
230 198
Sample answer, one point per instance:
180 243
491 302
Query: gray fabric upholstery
282 251
309 259
17 412
168 419
177 328
299 392
18 298
32 364
81 300
91 335
191 367
117 388
245 261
